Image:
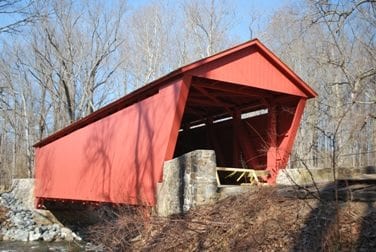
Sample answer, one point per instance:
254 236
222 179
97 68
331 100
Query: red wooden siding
113 160
248 67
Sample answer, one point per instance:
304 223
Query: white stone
66 234
48 236
55 227
22 191
20 235
76 237
34 235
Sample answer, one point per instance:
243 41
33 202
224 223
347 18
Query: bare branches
331 45
17 14
58 74
208 23
77 66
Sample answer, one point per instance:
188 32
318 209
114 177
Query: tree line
62 59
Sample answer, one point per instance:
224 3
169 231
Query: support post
272 163
288 141
236 148
243 144
249 152
213 140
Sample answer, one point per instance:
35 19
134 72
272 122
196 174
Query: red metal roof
153 87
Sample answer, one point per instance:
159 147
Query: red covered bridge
244 103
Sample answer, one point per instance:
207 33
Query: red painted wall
249 67
116 159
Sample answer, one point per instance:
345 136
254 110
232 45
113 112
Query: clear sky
261 9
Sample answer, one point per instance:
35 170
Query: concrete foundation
188 181
23 191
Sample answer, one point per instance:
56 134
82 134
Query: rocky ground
19 223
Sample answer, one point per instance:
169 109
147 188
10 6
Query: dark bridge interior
230 119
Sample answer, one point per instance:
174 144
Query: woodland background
62 59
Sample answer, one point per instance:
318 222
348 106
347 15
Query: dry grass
120 227
260 221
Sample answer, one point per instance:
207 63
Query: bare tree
17 112
61 72
150 36
162 39
207 26
330 46
76 57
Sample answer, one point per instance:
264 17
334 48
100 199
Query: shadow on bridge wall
124 152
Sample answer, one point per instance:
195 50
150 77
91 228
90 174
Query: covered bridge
244 103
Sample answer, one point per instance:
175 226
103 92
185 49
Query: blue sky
261 8
244 10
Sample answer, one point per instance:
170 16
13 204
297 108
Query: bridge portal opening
236 122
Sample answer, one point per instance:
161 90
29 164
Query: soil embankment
263 219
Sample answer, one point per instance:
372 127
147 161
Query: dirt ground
259 220
3 212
